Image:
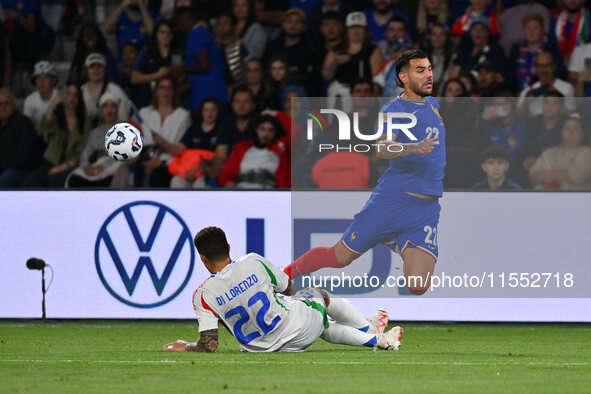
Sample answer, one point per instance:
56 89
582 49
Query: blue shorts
396 219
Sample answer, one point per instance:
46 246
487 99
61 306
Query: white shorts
308 311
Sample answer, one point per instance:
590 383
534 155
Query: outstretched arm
390 150
207 343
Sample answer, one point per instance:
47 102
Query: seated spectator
503 125
131 21
5 60
153 62
95 168
163 123
252 33
395 36
90 40
36 104
338 7
258 163
278 80
477 47
490 81
470 83
234 128
20 146
203 61
541 132
386 77
97 85
512 20
521 58
495 164
65 129
533 96
463 140
431 13
479 10
129 52
439 48
567 166
359 59
563 25
201 135
293 44
30 38
270 12
254 74
378 17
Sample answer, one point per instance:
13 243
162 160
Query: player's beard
419 90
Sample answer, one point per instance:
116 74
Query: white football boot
391 339
378 322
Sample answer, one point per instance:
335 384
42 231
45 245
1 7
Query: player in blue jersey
403 210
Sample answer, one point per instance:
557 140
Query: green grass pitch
126 356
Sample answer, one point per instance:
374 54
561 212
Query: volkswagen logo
144 254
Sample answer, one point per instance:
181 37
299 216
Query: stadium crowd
210 84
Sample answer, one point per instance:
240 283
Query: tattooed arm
208 342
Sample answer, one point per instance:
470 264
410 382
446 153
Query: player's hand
177 346
426 146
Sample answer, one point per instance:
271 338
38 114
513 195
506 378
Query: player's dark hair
494 152
211 242
405 59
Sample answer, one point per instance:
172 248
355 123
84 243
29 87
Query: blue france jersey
417 173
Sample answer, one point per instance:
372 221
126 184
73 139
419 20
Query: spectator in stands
489 79
502 123
293 44
259 163
97 85
20 146
36 104
163 123
234 128
395 36
541 132
5 59
232 50
65 129
495 164
200 136
315 17
563 25
153 62
471 83
95 168
203 65
90 40
360 59
330 37
378 17
255 80
512 20
131 20
166 7
252 33
386 77
270 12
533 97
29 36
567 166
278 79
130 53
477 47
440 50
463 140
479 10
521 58
429 14
52 12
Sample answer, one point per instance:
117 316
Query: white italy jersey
242 296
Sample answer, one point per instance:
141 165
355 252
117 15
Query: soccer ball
123 142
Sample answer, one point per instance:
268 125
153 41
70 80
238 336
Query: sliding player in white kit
242 294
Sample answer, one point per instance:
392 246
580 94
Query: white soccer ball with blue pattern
123 142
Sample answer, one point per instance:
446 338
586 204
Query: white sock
347 335
343 312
